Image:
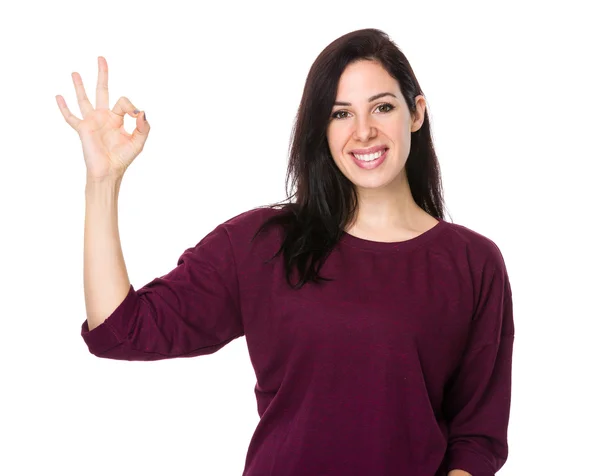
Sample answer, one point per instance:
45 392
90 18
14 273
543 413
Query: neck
388 208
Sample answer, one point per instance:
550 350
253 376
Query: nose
364 130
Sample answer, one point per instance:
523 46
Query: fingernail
145 117
135 111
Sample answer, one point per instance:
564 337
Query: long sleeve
477 397
192 310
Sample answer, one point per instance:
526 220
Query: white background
512 92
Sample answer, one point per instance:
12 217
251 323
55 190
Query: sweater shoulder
242 228
482 249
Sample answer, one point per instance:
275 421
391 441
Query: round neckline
405 245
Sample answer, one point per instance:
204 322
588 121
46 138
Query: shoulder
481 249
241 229
479 261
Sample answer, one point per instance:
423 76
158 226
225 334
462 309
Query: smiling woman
391 354
367 178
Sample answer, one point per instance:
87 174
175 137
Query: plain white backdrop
513 95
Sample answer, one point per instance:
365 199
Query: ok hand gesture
107 147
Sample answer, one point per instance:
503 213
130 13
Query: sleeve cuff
469 461
115 327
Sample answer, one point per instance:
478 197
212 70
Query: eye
335 114
387 104
390 107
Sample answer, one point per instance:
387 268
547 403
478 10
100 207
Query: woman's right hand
107 147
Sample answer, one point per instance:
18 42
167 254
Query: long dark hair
326 200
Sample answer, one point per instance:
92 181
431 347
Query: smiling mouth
370 157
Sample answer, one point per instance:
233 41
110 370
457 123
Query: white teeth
369 157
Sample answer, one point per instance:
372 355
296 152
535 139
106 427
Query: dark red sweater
400 366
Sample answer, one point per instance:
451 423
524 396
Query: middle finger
102 87
84 103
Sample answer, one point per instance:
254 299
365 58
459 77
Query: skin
386 209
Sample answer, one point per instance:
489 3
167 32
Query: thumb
141 131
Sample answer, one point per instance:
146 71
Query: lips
370 150
372 164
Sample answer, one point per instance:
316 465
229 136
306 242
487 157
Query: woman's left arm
477 397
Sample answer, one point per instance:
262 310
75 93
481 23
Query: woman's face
361 123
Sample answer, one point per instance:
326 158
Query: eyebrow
372 98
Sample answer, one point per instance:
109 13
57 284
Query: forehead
365 78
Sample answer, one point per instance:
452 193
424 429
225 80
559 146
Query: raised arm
108 150
192 310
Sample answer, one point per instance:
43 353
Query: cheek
338 158
338 137
336 147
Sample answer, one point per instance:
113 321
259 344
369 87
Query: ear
419 116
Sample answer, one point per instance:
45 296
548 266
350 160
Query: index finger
102 86
69 117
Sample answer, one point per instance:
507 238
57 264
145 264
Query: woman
390 352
